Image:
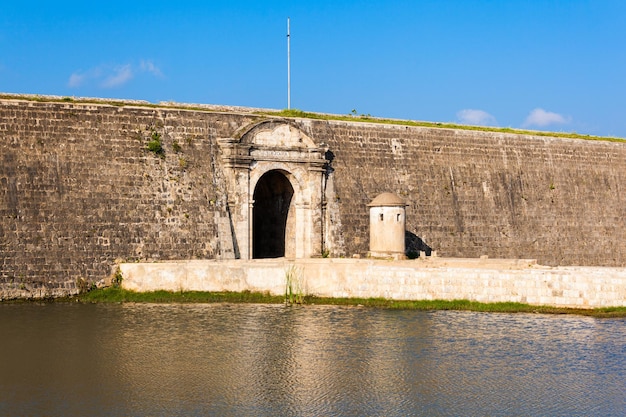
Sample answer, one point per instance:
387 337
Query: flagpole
288 67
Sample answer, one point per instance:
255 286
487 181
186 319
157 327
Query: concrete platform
483 280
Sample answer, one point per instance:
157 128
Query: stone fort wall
560 201
79 190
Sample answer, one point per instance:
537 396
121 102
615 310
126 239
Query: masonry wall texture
79 190
561 201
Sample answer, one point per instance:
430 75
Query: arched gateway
272 226
275 180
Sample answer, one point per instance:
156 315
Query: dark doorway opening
272 200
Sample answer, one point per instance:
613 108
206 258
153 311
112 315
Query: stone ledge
502 281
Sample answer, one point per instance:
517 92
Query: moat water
269 360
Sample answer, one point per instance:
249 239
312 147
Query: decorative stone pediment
282 136
271 140
282 133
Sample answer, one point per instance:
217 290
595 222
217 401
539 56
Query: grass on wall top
370 119
295 113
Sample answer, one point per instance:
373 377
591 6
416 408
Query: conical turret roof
387 200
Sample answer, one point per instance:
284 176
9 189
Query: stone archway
273 217
266 164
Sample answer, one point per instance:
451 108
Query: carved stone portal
275 179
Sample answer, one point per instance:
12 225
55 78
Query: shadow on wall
414 245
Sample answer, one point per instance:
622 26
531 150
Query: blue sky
544 65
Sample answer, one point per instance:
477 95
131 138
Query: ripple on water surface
224 359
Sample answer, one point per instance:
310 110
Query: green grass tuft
119 295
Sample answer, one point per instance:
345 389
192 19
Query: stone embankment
483 280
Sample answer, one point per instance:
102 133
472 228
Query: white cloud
540 117
148 66
109 76
80 78
76 80
476 117
121 75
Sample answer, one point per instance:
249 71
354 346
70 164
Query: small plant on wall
294 293
155 145
116 280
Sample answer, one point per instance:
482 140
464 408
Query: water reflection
221 359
